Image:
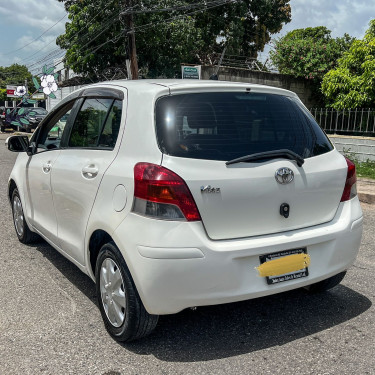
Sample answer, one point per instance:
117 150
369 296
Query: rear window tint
224 126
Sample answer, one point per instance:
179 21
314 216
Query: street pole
26 87
130 36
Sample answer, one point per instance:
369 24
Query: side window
111 128
51 133
94 116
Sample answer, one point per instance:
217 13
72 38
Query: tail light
162 194
350 189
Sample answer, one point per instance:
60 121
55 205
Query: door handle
90 171
47 167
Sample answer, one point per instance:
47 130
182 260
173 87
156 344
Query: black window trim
66 145
79 97
54 115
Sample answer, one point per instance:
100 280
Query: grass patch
365 169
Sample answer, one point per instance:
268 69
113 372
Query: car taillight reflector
165 195
350 189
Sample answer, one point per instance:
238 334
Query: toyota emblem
284 176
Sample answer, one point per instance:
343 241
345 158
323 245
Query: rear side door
79 169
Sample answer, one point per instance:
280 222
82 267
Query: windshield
228 125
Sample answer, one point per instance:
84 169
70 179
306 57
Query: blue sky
21 21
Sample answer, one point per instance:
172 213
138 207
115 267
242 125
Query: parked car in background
3 111
173 194
35 116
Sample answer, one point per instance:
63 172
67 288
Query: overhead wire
202 8
89 23
34 40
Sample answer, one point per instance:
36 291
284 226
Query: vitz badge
209 189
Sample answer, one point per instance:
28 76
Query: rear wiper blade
284 153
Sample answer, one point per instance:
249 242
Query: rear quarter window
224 126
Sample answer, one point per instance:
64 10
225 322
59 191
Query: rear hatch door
199 132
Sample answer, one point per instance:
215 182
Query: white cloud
35 14
23 21
339 16
34 45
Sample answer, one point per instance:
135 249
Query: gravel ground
50 322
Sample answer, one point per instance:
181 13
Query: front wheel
24 234
123 313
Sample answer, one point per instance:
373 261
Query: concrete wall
362 147
300 86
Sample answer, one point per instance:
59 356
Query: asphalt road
50 323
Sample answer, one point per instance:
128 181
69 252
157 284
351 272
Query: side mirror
18 143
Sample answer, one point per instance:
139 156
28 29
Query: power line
151 24
179 7
90 22
33 41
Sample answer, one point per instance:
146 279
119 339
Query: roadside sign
191 72
38 96
10 91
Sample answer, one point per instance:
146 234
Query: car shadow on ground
228 330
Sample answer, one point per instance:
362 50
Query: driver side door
42 213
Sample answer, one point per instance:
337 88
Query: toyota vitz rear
176 194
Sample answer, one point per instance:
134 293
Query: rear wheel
326 284
123 313
24 234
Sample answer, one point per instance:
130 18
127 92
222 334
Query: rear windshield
224 126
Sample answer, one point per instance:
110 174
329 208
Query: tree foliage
95 42
309 53
3 95
352 83
15 75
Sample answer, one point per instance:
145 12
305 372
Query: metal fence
358 121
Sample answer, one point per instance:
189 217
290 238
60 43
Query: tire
125 317
24 234
326 284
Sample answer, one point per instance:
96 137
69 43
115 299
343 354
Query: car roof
187 84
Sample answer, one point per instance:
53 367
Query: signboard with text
191 72
10 91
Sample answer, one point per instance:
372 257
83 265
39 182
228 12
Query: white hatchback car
176 194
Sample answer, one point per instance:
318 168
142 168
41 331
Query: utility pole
130 37
26 87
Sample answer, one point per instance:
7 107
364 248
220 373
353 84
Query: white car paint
179 264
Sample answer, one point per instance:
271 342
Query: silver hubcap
112 292
18 216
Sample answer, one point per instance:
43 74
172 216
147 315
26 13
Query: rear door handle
90 171
47 167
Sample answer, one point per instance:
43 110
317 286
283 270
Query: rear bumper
175 265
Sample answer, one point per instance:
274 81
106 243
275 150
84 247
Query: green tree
309 53
352 83
3 95
15 75
95 42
